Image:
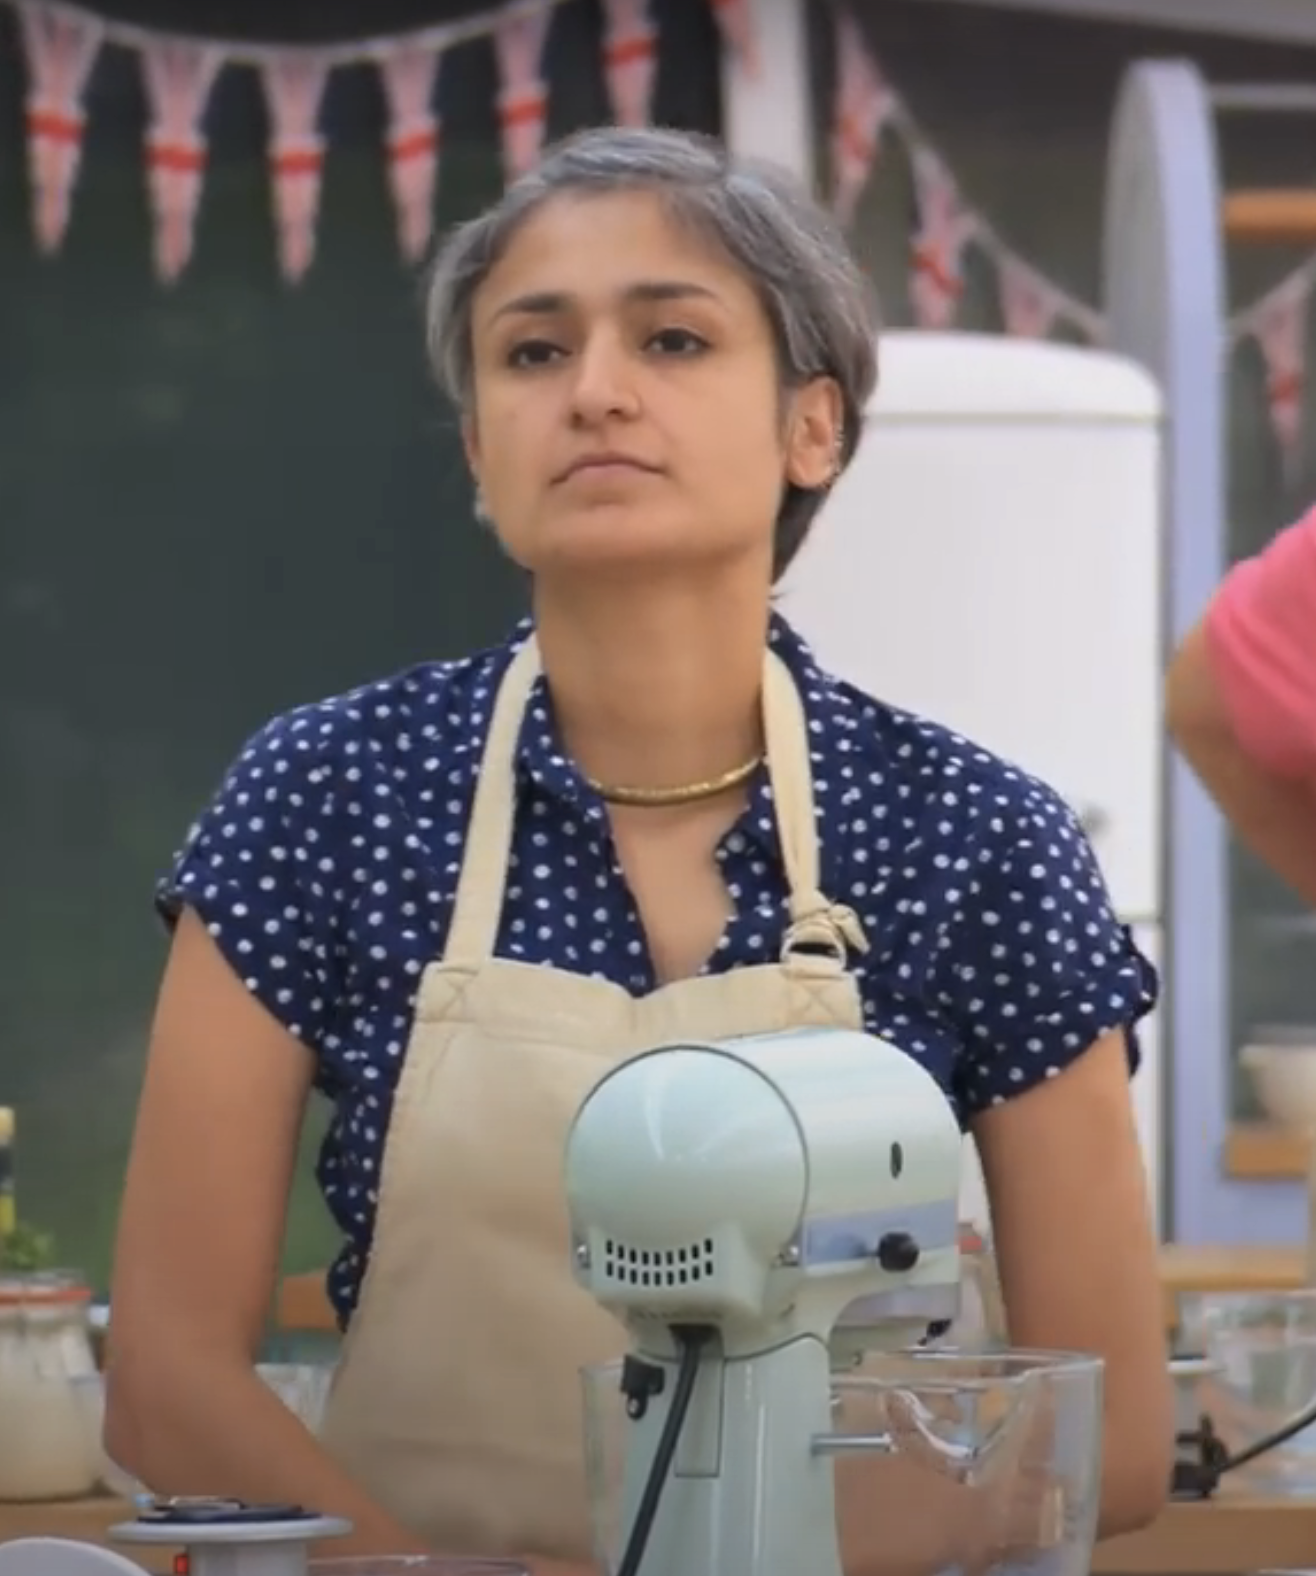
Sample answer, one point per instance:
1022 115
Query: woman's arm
197 1256
1273 812
1047 988
249 1003
1078 1259
1240 702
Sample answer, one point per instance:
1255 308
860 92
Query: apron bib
457 1403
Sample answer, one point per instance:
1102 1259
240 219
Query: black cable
690 1340
1198 1478
1281 1436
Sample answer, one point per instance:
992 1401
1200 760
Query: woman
453 897
1241 703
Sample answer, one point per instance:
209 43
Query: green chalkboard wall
216 500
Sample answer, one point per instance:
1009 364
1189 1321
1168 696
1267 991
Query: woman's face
627 412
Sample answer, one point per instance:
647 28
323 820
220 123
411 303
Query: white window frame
768 114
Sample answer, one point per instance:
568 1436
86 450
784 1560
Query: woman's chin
618 542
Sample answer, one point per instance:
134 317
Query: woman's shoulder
305 780
439 707
1030 961
318 808
895 757
892 750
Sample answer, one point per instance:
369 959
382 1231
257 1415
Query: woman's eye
532 353
678 342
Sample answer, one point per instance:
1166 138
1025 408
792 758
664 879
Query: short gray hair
822 311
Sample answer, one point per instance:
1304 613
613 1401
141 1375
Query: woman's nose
604 384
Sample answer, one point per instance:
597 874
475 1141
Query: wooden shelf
303 1304
1275 217
1186 1269
1266 1152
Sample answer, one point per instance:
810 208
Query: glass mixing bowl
941 1459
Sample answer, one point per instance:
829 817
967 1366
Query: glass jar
47 1448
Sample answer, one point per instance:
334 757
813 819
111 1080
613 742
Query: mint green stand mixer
763 1214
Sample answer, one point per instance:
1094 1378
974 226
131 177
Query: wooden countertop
1221 1537
86 1520
89 1519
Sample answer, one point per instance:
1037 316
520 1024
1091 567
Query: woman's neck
656 687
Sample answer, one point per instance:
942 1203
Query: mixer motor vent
686 1266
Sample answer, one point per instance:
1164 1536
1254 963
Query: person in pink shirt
1241 703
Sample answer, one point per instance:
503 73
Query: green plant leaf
26 1250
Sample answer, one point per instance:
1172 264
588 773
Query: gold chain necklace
689 793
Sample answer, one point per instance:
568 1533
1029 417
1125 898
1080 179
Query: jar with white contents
47 1444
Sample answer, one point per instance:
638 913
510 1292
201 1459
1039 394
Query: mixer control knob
897 1252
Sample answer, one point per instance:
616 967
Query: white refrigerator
992 559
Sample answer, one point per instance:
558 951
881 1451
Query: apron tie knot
817 923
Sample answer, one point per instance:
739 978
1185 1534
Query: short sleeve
258 868
1035 967
1260 632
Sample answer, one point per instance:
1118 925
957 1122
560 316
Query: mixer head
766 1185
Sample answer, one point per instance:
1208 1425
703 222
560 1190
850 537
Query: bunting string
62 43
866 107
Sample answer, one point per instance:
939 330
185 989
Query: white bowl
1283 1074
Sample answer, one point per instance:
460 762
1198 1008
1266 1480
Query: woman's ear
815 429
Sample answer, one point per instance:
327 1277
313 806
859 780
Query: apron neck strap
478 904
815 922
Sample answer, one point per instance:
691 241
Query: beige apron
457 1403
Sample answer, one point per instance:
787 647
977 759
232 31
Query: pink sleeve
1261 635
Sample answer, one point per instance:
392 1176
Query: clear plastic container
941 1459
302 1387
1262 1351
45 1356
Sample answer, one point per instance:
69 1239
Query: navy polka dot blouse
326 865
